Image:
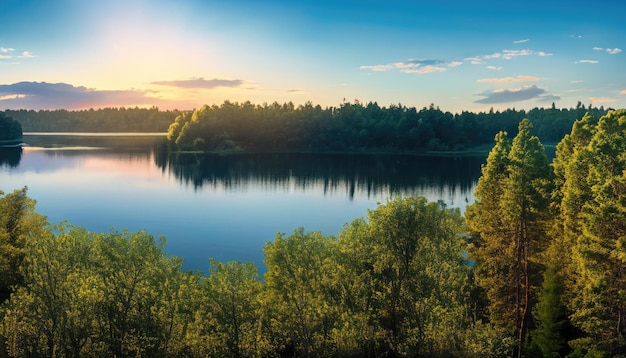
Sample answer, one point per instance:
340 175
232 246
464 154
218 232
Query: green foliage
101 120
227 321
507 224
18 224
598 250
407 278
10 129
352 127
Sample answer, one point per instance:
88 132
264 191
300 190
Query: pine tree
508 226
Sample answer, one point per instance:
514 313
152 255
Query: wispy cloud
516 95
505 55
521 41
42 95
422 66
610 51
622 91
601 99
588 61
6 49
495 68
296 90
200 83
519 78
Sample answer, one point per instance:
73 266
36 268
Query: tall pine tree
508 224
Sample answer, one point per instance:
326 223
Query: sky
175 54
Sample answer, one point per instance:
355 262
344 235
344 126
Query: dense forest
536 268
100 120
10 130
286 127
357 127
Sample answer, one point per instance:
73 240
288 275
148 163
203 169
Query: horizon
182 55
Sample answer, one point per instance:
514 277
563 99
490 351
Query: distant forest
286 127
101 120
358 127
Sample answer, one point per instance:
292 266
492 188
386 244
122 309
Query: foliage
354 127
100 120
10 129
548 246
507 223
18 224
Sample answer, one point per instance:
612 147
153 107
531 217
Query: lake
221 206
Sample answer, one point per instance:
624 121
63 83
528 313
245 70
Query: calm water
225 207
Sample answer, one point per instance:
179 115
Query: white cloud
613 51
425 70
6 49
588 61
622 92
474 60
598 48
509 79
27 54
414 66
543 54
521 41
496 68
576 81
5 57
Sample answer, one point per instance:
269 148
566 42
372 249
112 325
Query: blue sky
458 55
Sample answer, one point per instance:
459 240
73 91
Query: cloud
420 67
200 83
509 79
6 49
516 95
587 61
610 51
42 95
496 68
601 99
622 92
505 55
296 90
521 41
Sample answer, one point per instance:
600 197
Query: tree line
10 130
535 268
357 127
100 120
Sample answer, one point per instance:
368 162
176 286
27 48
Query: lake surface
221 206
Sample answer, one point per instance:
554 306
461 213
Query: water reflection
10 157
362 175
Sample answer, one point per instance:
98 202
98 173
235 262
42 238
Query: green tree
599 253
227 322
299 312
10 129
18 224
409 277
511 229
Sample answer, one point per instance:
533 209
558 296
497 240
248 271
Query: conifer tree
508 223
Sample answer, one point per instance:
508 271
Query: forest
10 130
357 127
534 268
349 127
100 120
